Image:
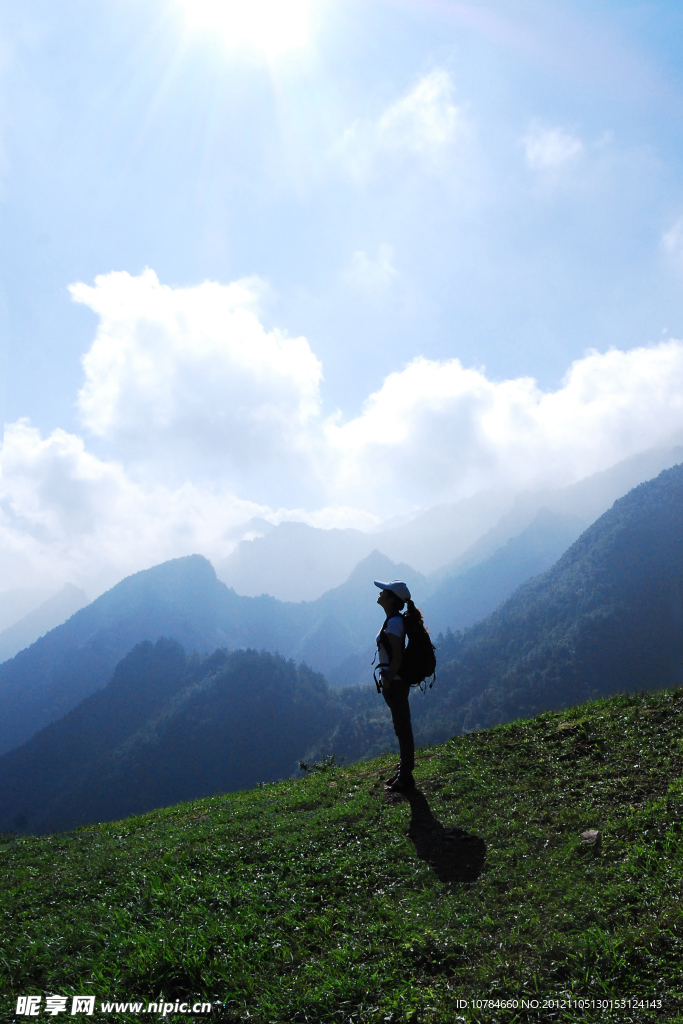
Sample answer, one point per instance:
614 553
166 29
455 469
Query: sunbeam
271 26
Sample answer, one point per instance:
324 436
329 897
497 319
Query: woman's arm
396 657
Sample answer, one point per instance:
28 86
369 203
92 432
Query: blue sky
494 183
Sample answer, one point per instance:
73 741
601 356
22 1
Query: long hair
413 615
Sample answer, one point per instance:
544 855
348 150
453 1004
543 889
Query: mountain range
297 562
606 617
334 634
182 599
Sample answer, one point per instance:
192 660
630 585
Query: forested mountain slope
43 682
462 600
182 599
608 617
165 728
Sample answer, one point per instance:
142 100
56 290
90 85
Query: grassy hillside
324 899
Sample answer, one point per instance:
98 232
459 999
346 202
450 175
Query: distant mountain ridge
17 602
51 613
296 562
460 601
182 599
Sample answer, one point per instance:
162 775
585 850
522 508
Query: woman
390 646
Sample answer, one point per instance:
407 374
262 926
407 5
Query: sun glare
271 26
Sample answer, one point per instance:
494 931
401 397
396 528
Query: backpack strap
383 639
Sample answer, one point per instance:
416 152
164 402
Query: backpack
419 656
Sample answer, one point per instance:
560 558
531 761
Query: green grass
307 901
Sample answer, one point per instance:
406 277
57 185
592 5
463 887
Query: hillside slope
607 617
325 900
587 499
166 728
48 615
460 601
182 599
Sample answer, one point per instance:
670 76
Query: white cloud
372 276
188 380
424 120
174 372
67 515
548 149
437 431
422 126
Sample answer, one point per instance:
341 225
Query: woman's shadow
455 855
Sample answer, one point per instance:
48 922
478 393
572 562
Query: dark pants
397 699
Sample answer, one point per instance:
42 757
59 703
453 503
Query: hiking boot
401 784
392 778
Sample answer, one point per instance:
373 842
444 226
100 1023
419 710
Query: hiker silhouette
394 689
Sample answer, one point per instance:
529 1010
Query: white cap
398 587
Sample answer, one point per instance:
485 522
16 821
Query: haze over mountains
608 616
334 634
49 614
296 562
18 602
461 599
